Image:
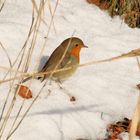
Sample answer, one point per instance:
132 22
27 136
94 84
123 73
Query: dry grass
2 3
129 10
135 120
136 115
133 53
24 60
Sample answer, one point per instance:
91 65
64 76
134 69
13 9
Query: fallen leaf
102 5
114 130
138 86
72 99
24 92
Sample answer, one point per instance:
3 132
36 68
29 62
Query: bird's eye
76 45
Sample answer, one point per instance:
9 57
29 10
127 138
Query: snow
104 92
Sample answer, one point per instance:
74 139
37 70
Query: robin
72 46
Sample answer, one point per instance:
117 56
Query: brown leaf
102 5
24 92
72 99
138 86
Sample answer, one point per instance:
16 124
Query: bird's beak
85 46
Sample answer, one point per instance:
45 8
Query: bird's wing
55 59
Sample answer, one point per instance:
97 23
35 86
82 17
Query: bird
69 52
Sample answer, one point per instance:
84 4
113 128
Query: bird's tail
30 77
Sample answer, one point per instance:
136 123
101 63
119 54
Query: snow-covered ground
104 92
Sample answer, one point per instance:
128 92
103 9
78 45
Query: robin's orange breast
76 52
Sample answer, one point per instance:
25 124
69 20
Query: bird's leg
59 83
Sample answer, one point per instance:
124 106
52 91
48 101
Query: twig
132 53
51 74
136 115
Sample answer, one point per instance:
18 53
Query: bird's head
74 45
